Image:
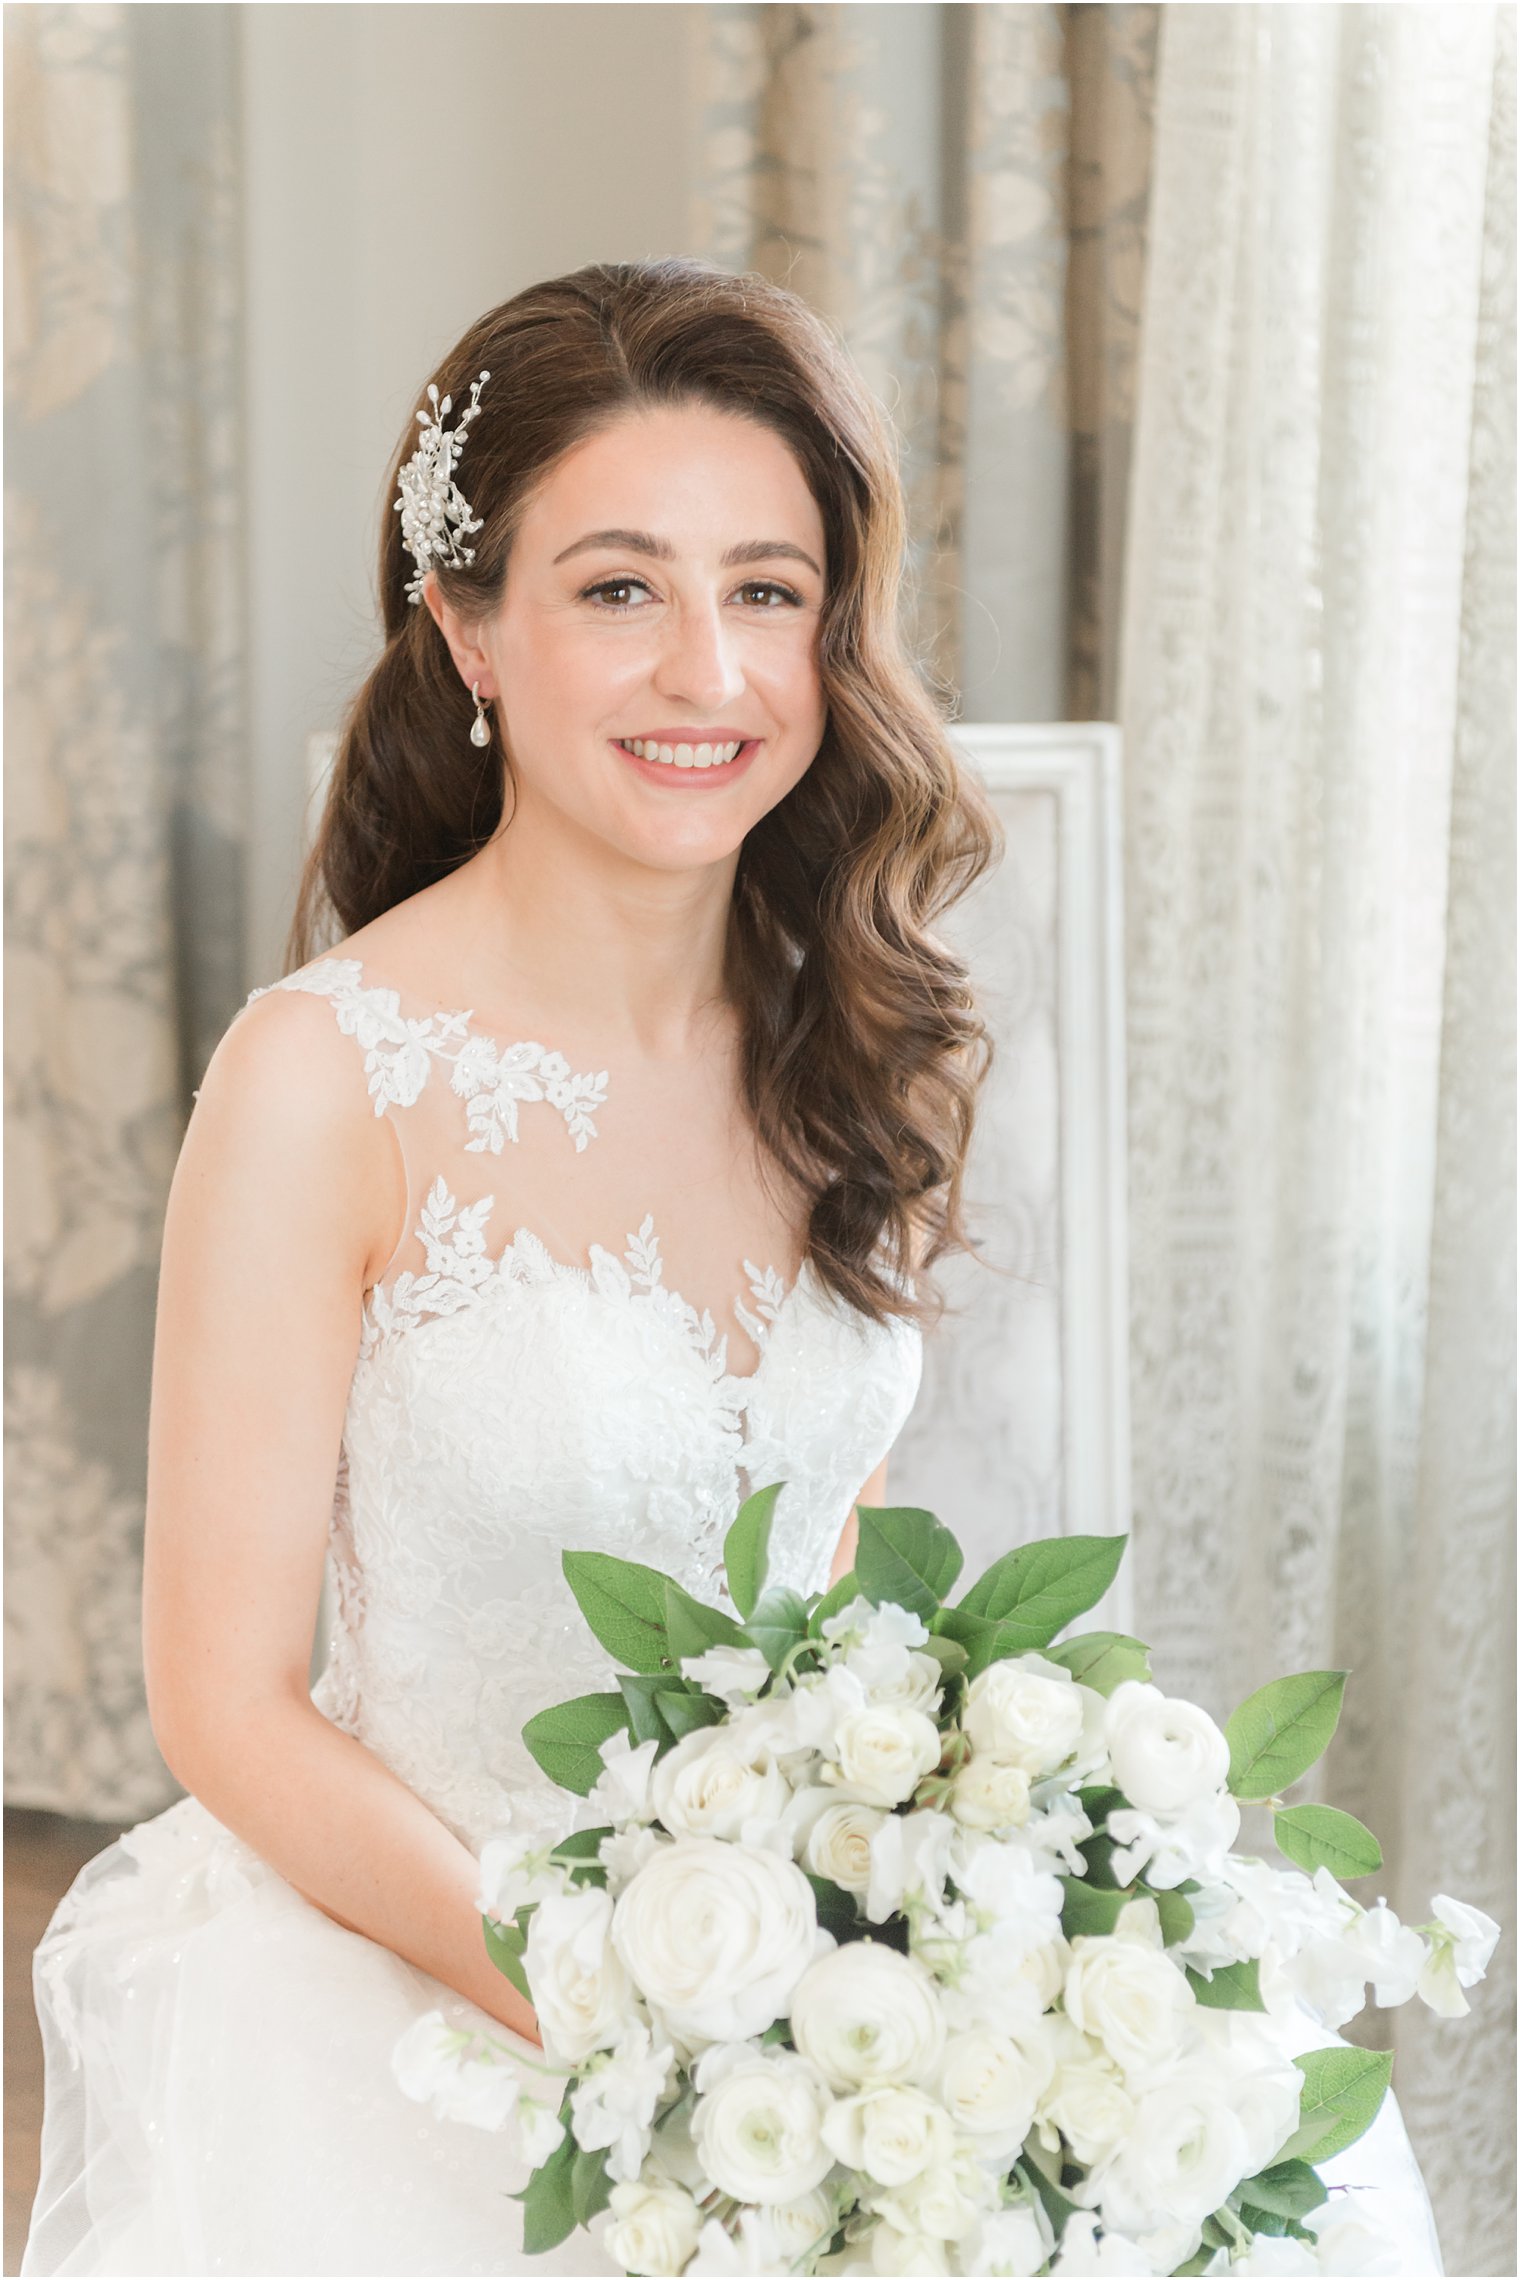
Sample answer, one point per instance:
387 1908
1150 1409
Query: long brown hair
863 1051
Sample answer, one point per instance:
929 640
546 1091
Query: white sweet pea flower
613 2103
621 1790
1462 1939
880 1753
1011 2244
463 2076
1002 1979
1085 2253
757 2125
1192 1844
582 1996
1389 1955
1027 1712
716 1936
517 1872
540 2131
734 1674
710 1785
910 1860
1053 1836
1268 2255
655 2226
1130 1997
1008 1887
893 2132
1166 1754
864 1624
804 1718
624 1853
865 2014
1350 2244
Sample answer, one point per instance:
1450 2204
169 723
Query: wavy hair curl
863 1050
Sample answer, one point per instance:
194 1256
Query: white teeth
682 755
704 755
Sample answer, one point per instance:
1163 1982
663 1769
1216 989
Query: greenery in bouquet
907 1936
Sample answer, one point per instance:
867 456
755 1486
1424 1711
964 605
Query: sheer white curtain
1317 692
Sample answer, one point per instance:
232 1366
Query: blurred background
1198 326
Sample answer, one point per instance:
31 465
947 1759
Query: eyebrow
644 542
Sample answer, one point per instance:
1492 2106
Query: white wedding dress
219 2089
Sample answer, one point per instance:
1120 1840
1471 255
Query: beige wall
405 168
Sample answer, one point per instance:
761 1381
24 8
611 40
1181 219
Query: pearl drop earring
480 730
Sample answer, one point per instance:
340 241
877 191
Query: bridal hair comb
435 515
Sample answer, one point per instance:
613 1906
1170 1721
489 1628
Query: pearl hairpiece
435 516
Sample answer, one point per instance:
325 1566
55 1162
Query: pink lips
691 779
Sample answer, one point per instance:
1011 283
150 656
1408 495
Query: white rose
1183 2154
654 2226
716 1936
892 2132
798 2226
838 1846
986 1795
581 1994
866 2014
945 2201
757 2128
1130 1997
1166 1754
709 1786
1026 1712
882 1754
990 2083
1088 2103
463 2076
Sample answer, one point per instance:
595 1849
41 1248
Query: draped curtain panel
1199 327
123 786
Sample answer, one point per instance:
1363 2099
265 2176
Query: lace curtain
1199 325
123 839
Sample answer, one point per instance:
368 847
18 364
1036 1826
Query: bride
585 1183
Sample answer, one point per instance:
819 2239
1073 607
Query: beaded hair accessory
435 515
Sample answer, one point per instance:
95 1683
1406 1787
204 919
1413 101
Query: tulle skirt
219 2093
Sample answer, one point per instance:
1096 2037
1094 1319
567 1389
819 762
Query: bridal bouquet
909 1940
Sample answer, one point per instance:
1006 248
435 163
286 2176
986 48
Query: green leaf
1343 2089
548 2198
1233 1987
641 1690
505 1944
1102 1659
579 1852
1177 1917
590 2185
684 1713
1037 1590
837 1911
905 1556
1279 1731
981 1638
624 1603
837 1597
566 1740
1321 1836
1098 1802
691 1626
1036 2176
1088 1911
746 1547
778 1622
948 1653
1287 2189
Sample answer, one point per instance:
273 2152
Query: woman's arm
874 1492
287 1197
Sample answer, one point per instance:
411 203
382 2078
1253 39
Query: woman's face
664 589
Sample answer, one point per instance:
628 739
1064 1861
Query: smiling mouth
684 755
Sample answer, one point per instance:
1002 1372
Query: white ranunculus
734 1674
910 1859
716 1936
892 2132
838 1845
893 2251
1012 2243
881 1754
463 2076
946 2201
621 1791
710 1786
1130 1997
1166 1754
581 1993
987 1795
614 2102
1026 1712
1183 2154
654 2228
1459 1955
865 2014
990 2083
1084 2256
757 2129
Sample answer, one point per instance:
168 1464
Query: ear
462 636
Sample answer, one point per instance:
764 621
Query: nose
699 662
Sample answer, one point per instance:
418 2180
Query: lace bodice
507 1405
